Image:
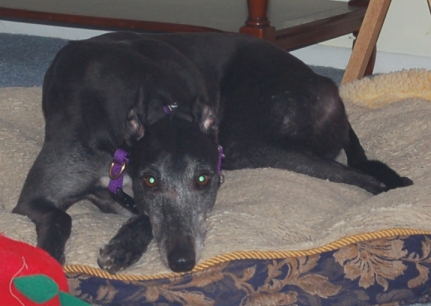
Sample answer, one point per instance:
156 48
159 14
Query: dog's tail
357 159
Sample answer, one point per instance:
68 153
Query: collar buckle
116 171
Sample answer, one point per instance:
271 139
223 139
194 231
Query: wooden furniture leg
372 61
257 23
367 38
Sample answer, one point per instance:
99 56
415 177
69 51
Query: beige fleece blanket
263 209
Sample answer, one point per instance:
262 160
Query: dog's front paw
117 256
127 246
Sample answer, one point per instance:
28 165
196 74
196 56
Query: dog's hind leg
357 159
127 246
261 156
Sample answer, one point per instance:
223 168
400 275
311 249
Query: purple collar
168 109
116 171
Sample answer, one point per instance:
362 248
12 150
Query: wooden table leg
367 38
257 23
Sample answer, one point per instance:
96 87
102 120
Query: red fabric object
21 259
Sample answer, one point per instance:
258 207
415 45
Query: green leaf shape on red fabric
38 288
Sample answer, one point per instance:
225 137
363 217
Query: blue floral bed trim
393 271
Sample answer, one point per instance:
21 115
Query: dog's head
175 173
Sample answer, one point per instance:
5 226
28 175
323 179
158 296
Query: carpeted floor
24 59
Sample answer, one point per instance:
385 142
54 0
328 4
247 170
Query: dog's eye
203 179
150 181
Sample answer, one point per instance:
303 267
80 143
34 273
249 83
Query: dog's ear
135 129
208 119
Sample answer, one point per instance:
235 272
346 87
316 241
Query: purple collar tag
116 171
168 109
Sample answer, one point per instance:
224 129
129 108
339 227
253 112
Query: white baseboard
47 31
338 57
318 55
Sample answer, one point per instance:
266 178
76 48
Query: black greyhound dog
156 111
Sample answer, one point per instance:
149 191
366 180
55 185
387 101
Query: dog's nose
182 260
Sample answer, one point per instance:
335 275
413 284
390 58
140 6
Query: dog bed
275 237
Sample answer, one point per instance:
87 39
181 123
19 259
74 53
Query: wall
405 40
407 29
46 31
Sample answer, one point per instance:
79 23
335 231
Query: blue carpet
24 59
